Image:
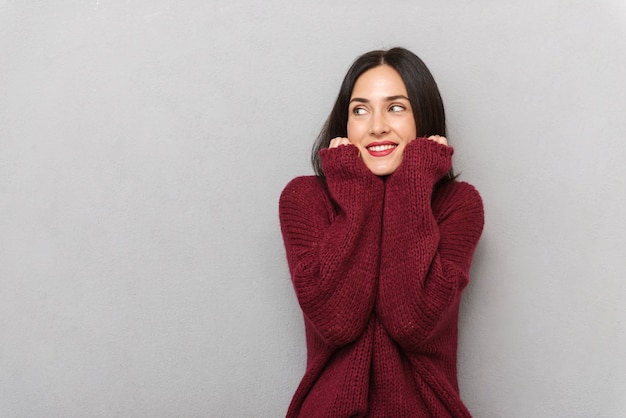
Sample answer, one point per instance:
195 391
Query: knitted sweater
378 266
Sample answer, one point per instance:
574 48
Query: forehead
381 80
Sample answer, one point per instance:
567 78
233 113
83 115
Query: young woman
379 245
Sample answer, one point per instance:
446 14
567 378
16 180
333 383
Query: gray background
144 145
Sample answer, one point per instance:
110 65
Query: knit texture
378 266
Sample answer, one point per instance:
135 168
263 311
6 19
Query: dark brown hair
426 102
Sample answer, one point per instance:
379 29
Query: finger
439 139
335 142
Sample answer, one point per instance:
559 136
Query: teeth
378 148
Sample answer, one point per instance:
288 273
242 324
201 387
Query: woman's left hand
439 139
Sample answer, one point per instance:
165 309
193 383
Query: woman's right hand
335 142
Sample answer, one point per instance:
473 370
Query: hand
335 142
439 139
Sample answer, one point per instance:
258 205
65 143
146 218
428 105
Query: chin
382 167
382 171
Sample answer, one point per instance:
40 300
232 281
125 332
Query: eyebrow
387 99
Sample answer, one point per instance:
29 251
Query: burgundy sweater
378 266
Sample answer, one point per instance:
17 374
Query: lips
381 149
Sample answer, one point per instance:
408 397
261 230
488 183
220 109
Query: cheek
408 130
353 131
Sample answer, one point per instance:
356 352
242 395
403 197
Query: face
380 119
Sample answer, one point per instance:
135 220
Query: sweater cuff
342 162
347 176
425 159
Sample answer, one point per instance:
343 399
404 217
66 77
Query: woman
379 246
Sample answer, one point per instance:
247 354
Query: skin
380 120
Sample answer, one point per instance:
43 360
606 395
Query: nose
378 124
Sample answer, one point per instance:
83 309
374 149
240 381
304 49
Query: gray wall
143 148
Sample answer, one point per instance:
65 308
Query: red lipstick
381 148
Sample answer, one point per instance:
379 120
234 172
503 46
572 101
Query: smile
381 149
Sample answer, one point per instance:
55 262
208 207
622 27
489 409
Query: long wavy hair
426 102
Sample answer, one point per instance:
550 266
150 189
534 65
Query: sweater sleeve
425 261
332 241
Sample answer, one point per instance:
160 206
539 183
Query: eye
396 108
359 111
